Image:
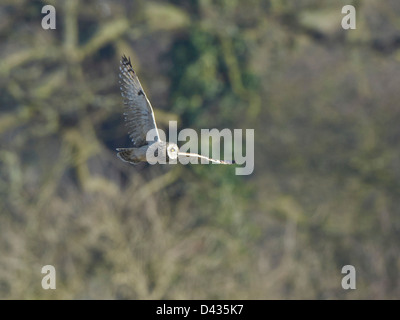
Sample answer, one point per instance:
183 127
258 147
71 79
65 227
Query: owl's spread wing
195 155
139 115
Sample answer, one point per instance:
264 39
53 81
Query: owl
140 120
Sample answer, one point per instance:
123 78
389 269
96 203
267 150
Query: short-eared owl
139 117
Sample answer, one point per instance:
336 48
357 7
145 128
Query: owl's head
172 150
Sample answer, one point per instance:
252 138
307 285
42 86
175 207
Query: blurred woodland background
326 186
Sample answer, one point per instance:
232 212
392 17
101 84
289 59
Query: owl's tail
127 155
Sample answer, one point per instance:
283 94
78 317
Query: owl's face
172 151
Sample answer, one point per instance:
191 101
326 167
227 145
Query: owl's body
133 155
159 151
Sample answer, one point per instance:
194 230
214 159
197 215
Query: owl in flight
139 117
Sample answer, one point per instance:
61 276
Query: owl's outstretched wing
139 115
195 155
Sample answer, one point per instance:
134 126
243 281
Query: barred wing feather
139 115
